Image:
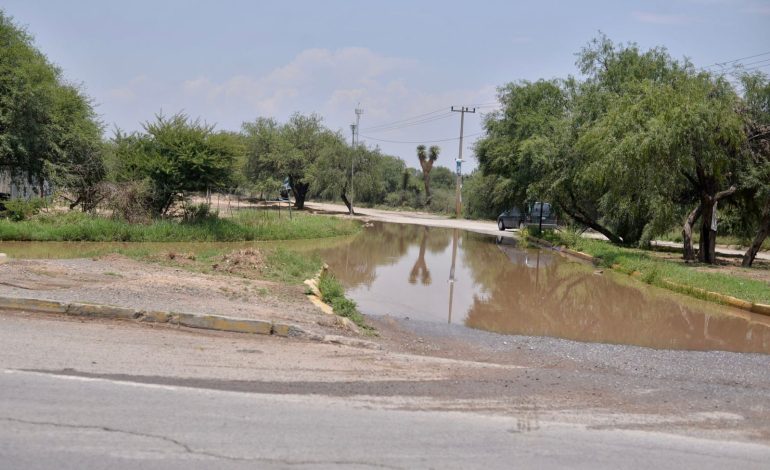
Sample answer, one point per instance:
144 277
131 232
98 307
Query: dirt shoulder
120 281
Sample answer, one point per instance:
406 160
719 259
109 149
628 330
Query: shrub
195 213
22 209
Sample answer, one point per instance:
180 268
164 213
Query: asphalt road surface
55 421
119 395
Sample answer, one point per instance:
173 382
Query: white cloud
313 78
328 82
128 92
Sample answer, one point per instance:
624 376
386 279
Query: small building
20 187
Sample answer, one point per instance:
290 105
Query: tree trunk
426 180
708 236
347 203
300 192
584 219
762 234
689 251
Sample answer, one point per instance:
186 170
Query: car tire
500 225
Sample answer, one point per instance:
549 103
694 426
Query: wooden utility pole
459 183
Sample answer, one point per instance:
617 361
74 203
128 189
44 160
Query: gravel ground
120 281
708 393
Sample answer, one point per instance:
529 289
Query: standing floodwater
453 276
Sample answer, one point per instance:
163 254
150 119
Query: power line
423 118
750 69
722 64
405 119
409 124
418 141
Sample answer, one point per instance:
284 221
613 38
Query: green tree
331 177
442 177
426 163
78 163
48 129
521 141
756 174
289 150
476 196
174 156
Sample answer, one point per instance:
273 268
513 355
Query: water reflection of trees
381 245
556 298
420 268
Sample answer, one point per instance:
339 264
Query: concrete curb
316 299
735 302
206 322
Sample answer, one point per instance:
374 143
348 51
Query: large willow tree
642 142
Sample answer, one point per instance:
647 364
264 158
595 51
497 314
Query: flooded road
453 276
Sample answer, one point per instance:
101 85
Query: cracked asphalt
108 394
55 421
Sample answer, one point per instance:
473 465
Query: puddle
453 276
458 277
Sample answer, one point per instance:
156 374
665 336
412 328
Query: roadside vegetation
244 225
655 270
333 293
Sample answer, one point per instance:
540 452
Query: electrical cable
411 118
430 141
409 124
735 60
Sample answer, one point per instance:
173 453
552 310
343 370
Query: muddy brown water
498 285
488 283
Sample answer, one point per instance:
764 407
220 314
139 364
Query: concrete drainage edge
734 302
190 320
316 299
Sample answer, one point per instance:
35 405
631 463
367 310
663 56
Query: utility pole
459 184
354 128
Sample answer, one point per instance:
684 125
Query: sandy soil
117 280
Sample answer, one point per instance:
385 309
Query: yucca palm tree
426 162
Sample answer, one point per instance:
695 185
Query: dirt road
480 226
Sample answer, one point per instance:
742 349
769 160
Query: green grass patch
333 294
247 225
289 266
655 270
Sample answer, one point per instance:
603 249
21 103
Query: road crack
187 449
170 440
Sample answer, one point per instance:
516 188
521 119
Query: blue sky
231 61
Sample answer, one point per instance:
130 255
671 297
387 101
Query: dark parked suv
535 214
